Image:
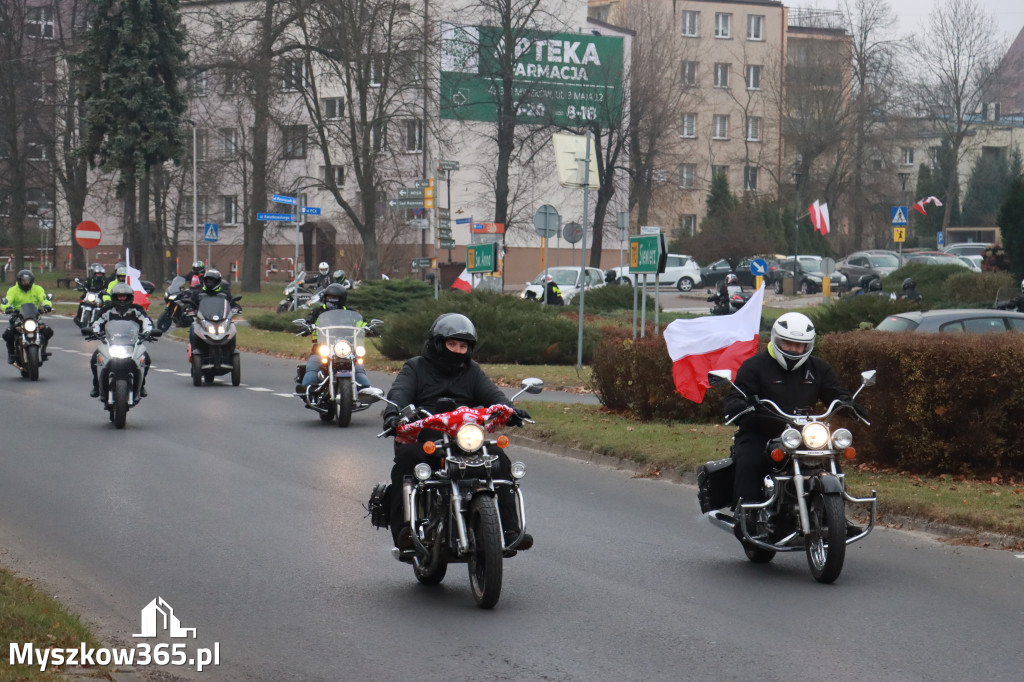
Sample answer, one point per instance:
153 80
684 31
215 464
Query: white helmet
324 268
795 327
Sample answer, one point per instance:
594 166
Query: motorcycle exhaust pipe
407 500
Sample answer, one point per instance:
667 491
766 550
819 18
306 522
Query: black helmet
26 279
121 273
339 276
335 296
122 296
452 326
212 280
198 268
731 279
875 285
909 283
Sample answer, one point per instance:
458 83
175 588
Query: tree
731 229
129 70
935 183
986 190
1011 223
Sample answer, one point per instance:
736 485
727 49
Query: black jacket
423 381
1013 304
801 388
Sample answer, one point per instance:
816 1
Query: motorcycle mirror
49 297
408 412
300 322
868 377
374 322
236 299
717 377
370 394
156 333
533 385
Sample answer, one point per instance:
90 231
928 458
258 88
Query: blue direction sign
759 267
275 216
311 210
463 221
899 215
210 232
281 199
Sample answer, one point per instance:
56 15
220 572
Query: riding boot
95 389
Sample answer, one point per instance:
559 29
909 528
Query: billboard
567 79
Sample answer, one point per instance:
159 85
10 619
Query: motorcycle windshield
29 311
122 333
215 308
334 325
176 284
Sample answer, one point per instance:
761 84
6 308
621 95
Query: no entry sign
88 234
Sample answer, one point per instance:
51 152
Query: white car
567 279
681 272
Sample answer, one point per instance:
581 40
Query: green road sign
421 262
421 183
447 165
643 254
444 233
412 192
447 244
405 203
443 214
480 258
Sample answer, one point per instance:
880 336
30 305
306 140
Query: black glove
46 308
518 417
391 423
855 409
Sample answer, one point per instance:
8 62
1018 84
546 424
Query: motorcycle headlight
815 436
470 437
120 351
343 348
518 470
422 471
90 298
360 351
324 350
31 326
842 439
791 438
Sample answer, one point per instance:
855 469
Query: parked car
963 320
875 262
935 258
973 261
810 277
712 274
967 249
568 280
681 272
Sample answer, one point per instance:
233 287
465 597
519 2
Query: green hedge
609 299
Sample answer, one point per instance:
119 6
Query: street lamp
903 184
797 175
195 194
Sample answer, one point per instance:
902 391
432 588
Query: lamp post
797 175
903 185
195 193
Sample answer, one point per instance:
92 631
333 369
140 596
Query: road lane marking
260 389
286 395
161 369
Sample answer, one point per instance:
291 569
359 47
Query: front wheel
684 284
197 369
485 560
805 287
236 369
778 286
826 542
344 402
120 403
32 362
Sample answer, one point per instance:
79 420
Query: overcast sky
1009 13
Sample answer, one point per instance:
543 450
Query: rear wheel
485 565
805 287
684 284
32 362
236 369
120 412
344 402
826 542
197 369
778 286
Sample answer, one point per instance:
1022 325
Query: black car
874 262
811 276
712 274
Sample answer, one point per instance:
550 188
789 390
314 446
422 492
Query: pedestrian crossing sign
899 215
210 232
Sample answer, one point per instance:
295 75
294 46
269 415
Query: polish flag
464 282
134 280
919 206
819 217
702 344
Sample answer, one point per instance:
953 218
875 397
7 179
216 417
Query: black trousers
751 464
407 456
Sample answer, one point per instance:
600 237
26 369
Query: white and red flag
712 342
919 206
819 217
134 280
464 282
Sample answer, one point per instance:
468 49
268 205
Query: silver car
954 321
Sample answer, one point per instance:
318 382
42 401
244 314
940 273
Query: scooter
214 353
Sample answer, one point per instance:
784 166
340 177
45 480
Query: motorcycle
177 297
90 306
341 345
730 303
805 493
452 510
296 294
215 353
121 367
28 336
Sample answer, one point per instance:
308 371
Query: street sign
649 229
405 203
462 221
546 221
480 258
444 232
940 239
446 244
88 234
758 267
447 165
622 222
422 262
210 232
412 192
643 254
311 210
444 213
276 216
421 183
281 199
899 234
572 232
899 215
428 202
489 228
419 223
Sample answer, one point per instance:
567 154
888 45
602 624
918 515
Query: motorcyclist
1014 303
97 279
323 278
339 277
446 370
213 285
910 289
195 278
552 294
120 277
334 298
721 297
787 374
113 276
25 290
122 306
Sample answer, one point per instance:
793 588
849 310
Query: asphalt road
245 513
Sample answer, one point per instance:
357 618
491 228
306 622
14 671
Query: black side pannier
379 506
714 484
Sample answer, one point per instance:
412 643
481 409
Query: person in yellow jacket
25 290
120 277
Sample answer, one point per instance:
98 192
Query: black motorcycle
728 302
90 305
296 294
215 353
120 367
177 299
28 337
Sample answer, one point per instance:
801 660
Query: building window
199 83
720 127
908 156
39 201
335 172
750 178
414 135
688 74
688 126
230 83
333 107
755 27
202 143
690 23
45 91
37 150
200 208
230 210
293 74
376 71
753 128
687 225
687 173
876 165
379 136
722 25
720 170
721 75
294 142
230 138
753 76
39 22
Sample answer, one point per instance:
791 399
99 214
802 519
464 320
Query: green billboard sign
558 78
480 257
643 254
